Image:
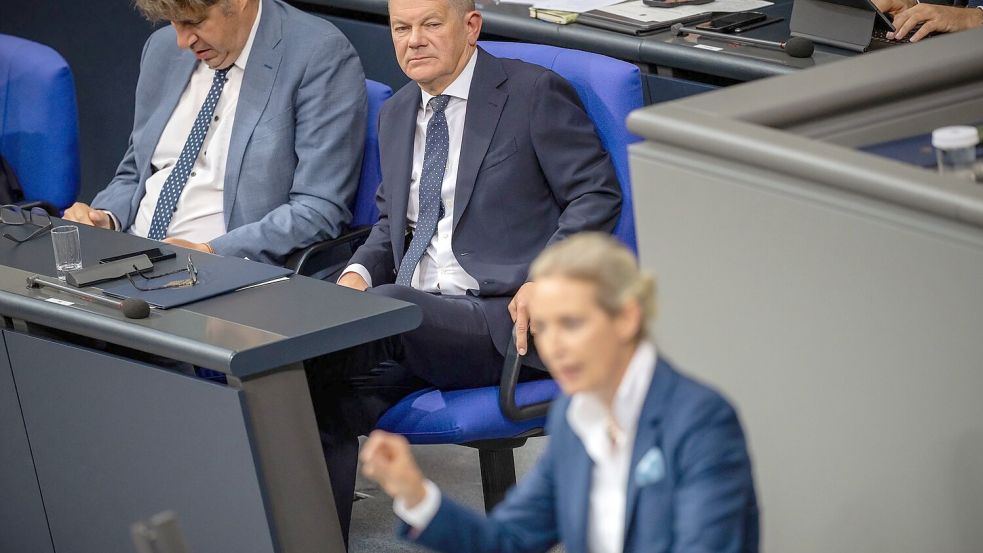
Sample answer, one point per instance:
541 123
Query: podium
102 421
833 294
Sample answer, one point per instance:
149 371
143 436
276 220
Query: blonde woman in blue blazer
641 458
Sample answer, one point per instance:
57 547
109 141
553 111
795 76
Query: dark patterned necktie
431 179
170 193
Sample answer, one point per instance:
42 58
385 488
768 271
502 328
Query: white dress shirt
609 438
199 215
438 270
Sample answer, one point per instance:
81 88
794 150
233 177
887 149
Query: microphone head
677 29
135 308
799 47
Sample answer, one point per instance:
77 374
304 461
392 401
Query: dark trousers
351 389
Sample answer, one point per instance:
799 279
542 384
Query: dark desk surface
243 333
663 50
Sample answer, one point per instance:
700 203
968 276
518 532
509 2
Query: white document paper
640 12
576 6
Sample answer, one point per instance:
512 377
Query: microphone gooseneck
132 308
796 47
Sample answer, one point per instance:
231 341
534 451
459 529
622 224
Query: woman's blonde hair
601 260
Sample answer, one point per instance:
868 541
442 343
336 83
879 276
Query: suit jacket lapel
257 85
577 475
396 175
649 433
485 103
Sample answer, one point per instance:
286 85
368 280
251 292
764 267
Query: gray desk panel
23 525
818 94
834 295
244 332
115 441
740 64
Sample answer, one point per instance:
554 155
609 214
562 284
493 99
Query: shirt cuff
420 516
359 270
116 225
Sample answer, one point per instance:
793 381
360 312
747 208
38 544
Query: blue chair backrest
610 89
39 121
365 212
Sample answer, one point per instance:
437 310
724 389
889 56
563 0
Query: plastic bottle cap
949 138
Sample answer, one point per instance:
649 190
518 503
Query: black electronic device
674 3
851 24
113 270
154 254
621 24
732 21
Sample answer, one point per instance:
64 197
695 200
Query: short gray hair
163 10
599 259
462 6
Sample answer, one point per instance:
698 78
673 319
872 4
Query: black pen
758 24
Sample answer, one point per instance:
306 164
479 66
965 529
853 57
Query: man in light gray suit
248 131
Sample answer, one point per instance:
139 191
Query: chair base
497 461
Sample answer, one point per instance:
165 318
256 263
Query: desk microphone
132 308
796 46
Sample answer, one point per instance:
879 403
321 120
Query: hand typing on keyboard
921 20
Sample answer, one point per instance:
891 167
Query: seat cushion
433 416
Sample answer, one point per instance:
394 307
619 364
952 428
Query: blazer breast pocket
272 125
500 154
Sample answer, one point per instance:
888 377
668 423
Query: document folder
216 276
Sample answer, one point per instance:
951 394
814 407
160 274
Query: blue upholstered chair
609 89
326 258
39 122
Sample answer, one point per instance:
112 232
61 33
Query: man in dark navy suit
485 162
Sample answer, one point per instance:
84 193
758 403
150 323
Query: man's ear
473 24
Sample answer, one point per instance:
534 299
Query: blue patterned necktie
170 193
431 179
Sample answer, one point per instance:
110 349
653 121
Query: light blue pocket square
651 468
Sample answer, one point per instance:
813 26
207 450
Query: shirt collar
244 56
461 85
589 417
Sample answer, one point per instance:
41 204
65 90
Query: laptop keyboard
880 35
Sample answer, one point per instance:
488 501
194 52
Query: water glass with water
68 250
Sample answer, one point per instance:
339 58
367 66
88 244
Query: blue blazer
690 488
296 144
532 171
